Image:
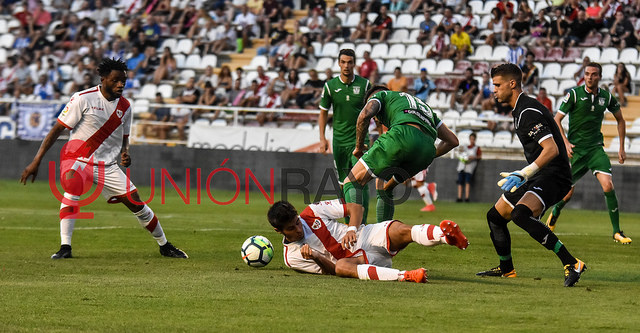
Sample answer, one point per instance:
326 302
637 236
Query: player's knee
493 216
520 215
607 186
345 268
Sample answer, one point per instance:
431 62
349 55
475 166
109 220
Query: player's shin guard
371 272
68 219
501 238
523 217
384 205
427 235
558 208
612 207
149 221
424 194
356 193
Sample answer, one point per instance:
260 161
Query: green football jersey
400 108
586 112
347 101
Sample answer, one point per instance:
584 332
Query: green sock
352 192
384 205
612 207
558 207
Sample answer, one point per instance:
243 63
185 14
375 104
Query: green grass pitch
117 280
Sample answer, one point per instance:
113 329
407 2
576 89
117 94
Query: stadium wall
290 169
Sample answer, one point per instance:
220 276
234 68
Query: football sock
558 208
424 195
384 205
356 193
67 219
371 272
612 206
148 220
523 217
427 235
501 238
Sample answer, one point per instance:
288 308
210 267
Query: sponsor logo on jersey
97 108
535 130
356 90
316 225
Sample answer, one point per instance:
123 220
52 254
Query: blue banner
35 120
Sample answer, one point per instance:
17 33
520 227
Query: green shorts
343 160
585 159
400 153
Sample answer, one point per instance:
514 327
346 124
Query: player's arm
125 158
449 140
558 119
369 111
622 132
325 263
325 103
49 140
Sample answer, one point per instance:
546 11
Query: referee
530 191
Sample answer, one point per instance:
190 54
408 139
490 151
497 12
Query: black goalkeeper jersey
533 124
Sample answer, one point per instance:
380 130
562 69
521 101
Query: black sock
501 238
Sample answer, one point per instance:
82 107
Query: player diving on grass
100 121
406 148
585 105
312 241
530 191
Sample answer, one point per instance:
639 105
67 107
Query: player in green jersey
346 94
406 148
585 106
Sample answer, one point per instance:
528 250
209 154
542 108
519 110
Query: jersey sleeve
567 102
533 123
127 120
327 210
72 112
326 100
295 261
613 106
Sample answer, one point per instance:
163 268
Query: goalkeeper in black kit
538 186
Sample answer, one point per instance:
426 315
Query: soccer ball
257 251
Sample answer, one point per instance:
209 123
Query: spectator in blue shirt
423 86
134 61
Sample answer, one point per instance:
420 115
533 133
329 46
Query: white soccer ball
257 251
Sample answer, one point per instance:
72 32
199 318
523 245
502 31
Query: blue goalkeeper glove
515 179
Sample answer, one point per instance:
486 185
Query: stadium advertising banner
253 138
7 128
35 120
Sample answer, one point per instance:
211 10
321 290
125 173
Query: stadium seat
166 90
551 71
390 65
347 45
444 66
634 131
634 146
468 119
451 118
140 106
148 91
65 72
380 63
3 55
631 69
6 40
608 71
380 51
429 64
179 59
413 36
184 46
209 60
352 20
361 48
483 52
554 54
410 66
568 70
592 41
484 138
342 16
171 43
218 123
628 55
396 51
476 6
404 21
413 51
571 55
488 6
592 52
305 126
444 84
463 137
483 24
609 55
433 101
417 19
551 85
330 50
480 67
502 139
614 145
259 60
540 5
4 28
564 85
185 75
499 53
202 121
539 52
461 66
193 61
398 36
317 49
323 64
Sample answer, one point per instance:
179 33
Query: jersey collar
353 78
517 100
587 91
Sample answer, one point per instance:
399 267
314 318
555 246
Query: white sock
427 235
371 272
424 194
149 221
66 221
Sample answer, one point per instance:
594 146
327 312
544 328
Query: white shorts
373 239
421 176
114 181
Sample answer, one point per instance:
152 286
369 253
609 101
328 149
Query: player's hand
512 180
622 156
125 159
30 170
349 240
570 147
358 152
306 251
324 145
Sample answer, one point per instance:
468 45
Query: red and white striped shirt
100 123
